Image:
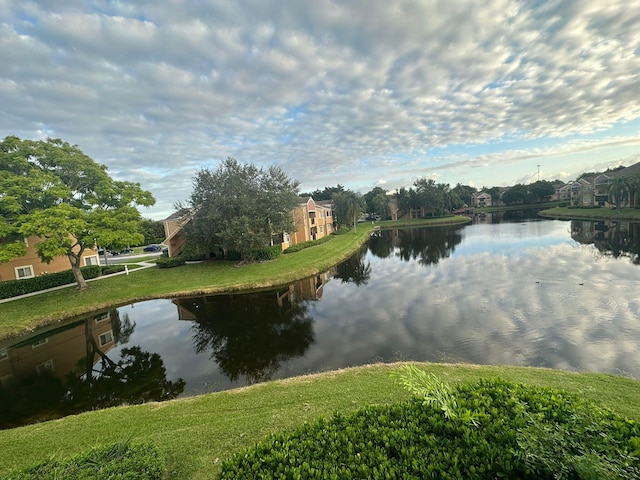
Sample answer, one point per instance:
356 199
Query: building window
321 229
44 367
24 272
39 343
106 338
102 317
4 354
92 260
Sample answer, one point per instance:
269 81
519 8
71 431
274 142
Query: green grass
196 434
624 214
422 222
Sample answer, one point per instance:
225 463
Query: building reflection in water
67 369
250 336
615 239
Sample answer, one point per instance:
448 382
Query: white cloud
330 93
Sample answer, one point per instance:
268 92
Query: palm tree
619 188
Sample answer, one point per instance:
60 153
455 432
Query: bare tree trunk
74 259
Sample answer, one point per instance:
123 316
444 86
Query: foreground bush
491 429
119 461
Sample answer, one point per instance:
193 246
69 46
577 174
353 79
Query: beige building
30 265
313 220
56 351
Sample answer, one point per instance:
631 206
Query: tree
347 207
541 191
52 190
463 195
240 207
619 191
516 194
152 230
325 194
377 202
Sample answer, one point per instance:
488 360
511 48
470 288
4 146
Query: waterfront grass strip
196 434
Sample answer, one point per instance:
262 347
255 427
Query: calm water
531 292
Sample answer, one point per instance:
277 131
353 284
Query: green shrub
310 243
118 461
490 432
110 269
170 262
268 253
13 288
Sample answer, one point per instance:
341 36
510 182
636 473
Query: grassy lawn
196 434
423 222
624 214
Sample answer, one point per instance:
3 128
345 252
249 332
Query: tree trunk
74 259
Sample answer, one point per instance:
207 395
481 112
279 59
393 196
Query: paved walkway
142 266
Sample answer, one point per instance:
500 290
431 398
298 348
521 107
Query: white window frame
40 342
4 354
102 317
17 269
90 259
106 338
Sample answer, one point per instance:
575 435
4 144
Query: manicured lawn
624 214
196 434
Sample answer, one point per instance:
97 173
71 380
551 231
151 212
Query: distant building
481 199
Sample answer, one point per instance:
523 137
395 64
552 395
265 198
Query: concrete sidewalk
142 266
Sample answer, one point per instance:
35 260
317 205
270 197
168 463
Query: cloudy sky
358 92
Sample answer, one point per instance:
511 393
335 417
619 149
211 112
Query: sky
362 93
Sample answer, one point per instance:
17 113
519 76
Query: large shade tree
52 190
240 207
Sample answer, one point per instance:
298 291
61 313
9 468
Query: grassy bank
25 314
424 222
196 434
624 214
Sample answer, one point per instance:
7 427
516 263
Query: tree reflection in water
96 382
354 270
426 245
250 335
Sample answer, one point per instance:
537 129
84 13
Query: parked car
154 247
126 250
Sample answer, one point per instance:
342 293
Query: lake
505 290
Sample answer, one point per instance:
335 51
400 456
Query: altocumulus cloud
333 92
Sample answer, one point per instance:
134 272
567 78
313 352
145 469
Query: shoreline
24 315
593 214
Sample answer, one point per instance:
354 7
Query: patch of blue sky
25 24
297 111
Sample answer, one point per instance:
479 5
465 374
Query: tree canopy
347 207
52 190
240 207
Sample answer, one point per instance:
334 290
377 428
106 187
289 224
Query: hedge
118 461
311 243
170 262
496 429
13 288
